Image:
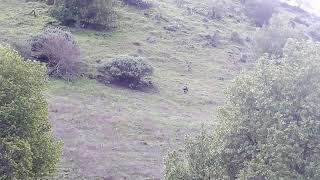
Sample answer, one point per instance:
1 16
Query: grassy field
111 132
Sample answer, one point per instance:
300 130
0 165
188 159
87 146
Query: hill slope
117 133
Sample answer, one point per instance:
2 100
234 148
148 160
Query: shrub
92 14
27 148
128 70
141 4
16 159
246 55
48 2
301 20
59 50
180 3
213 40
235 37
313 32
217 9
272 38
268 128
259 11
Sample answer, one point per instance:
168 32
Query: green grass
110 131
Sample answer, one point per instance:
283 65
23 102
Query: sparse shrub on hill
235 37
180 3
259 11
141 4
213 40
127 70
217 9
272 38
48 2
214 9
269 127
27 148
91 14
246 55
314 32
302 21
59 50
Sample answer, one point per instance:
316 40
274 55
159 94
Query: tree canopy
269 127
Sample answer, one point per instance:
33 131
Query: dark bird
185 90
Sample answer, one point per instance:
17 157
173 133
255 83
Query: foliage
180 3
59 50
27 148
272 38
16 159
302 20
235 37
48 2
213 40
269 127
259 11
141 4
127 69
314 32
217 9
91 14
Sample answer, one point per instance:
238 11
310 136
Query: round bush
269 127
127 69
27 148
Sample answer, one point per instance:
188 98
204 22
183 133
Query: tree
269 127
27 148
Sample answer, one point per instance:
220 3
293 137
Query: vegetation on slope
27 148
268 128
115 132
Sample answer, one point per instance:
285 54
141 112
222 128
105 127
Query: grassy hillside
117 133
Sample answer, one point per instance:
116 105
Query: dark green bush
91 14
269 127
128 70
59 50
27 148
